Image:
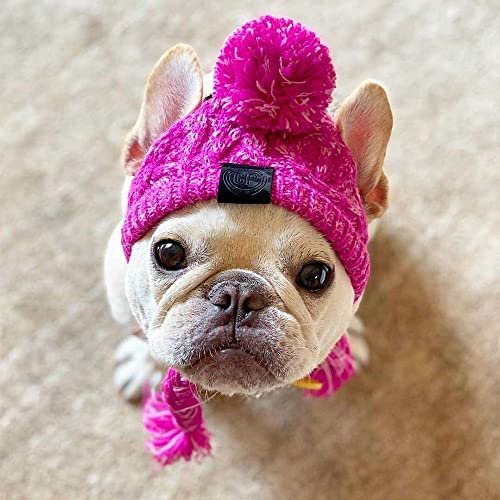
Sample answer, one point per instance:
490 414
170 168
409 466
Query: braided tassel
174 419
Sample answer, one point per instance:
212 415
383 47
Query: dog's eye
314 276
170 255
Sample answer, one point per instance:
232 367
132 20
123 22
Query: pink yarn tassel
337 368
174 419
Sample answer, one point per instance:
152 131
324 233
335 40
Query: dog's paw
359 346
134 368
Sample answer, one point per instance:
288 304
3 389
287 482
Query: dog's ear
174 88
365 122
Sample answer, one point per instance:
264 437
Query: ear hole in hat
173 90
365 121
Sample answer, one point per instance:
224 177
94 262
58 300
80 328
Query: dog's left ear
365 121
174 88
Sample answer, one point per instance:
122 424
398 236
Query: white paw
134 368
359 346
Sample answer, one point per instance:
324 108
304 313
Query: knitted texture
272 85
337 368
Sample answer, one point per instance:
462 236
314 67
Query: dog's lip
230 369
232 347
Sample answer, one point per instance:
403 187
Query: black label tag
244 184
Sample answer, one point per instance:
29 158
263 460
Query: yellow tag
308 383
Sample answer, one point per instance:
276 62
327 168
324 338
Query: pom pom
337 368
274 74
174 419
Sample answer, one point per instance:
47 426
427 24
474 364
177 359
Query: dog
265 297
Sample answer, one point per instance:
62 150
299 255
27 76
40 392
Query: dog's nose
240 299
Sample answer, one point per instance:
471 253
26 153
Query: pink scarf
174 419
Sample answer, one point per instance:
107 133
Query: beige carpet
421 423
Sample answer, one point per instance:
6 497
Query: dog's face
243 298
239 298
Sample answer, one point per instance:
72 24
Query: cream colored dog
265 297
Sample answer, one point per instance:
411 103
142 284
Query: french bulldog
263 297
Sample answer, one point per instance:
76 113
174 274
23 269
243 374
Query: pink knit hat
265 136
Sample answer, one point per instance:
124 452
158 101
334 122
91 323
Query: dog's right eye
170 255
314 276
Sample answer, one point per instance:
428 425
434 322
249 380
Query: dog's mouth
226 350
230 368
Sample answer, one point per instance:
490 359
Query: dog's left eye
314 276
170 255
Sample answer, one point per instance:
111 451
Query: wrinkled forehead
245 234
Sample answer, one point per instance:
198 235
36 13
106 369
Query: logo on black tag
244 184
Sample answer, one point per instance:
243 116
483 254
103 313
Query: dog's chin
231 370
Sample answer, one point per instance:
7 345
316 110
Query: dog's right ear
174 88
365 122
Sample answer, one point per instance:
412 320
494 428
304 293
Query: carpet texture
422 422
